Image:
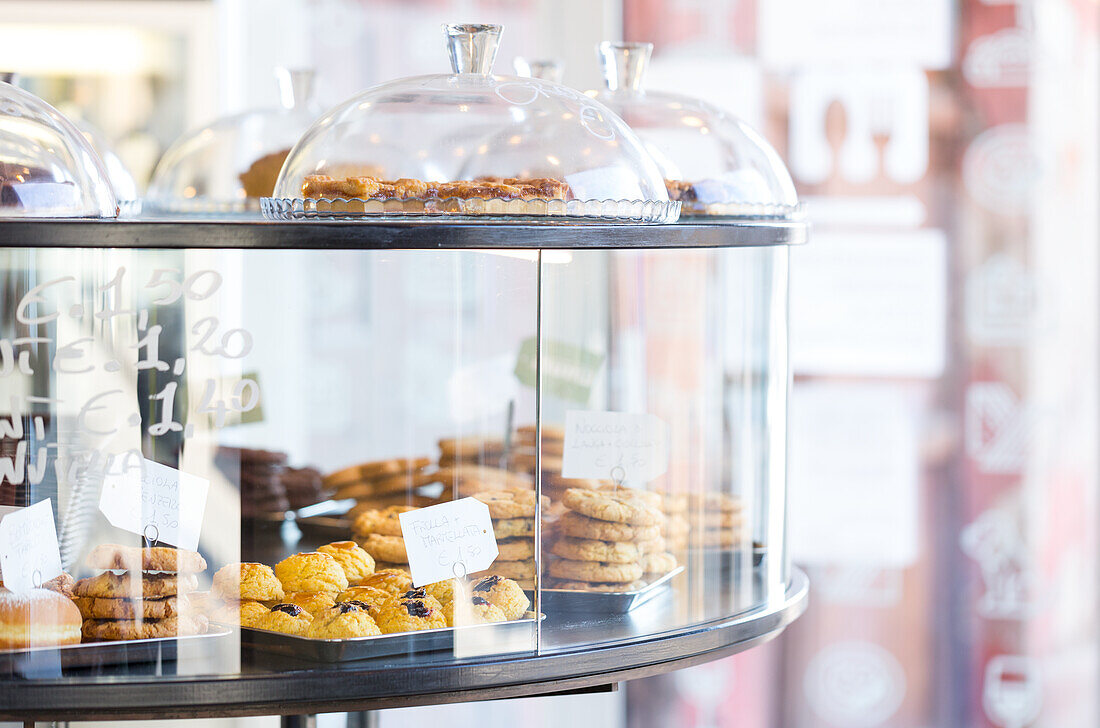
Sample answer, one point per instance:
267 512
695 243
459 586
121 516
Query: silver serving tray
43 660
594 602
475 639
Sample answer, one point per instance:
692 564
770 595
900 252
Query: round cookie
579 526
594 571
518 570
411 614
204 602
459 447
472 610
344 620
658 563
587 549
513 527
649 497
372 596
135 558
125 629
383 521
285 618
710 502
549 432
127 585
393 581
374 470
515 549
622 506
311 572
510 503
356 562
504 593
96 608
386 548
444 591
312 602
654 546
234 582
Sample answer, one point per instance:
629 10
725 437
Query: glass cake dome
47 167
712 162
230 164
471 143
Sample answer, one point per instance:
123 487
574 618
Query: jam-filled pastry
286 618
394 581
412 611
472 610
343 620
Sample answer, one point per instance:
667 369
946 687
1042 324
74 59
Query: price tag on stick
621 444
448 540
156 502
28 547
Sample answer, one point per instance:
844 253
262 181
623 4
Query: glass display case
395 457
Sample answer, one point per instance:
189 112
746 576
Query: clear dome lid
47 167
230 164
122 181
471 143
711 161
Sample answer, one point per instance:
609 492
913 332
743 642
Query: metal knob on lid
623 65
472 47
295 86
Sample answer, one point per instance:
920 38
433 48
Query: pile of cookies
303 487
336 593
714 520
513 514
378 532
380 483
609 540
260 474
141 594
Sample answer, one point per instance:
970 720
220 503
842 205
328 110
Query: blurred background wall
944 334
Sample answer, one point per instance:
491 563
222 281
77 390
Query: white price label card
614 445
28 547
448 540
155 501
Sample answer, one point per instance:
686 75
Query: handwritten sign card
614 445
28 547
155 501
448 540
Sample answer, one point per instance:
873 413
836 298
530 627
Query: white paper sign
155 501
28 547
448 540
614 445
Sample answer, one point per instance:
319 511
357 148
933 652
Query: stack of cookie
381 483
609 540
378 532
303 487
461 480
676 526
715 520
260 475
553 446
143 593
513 514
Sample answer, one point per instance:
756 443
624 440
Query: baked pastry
597 586
513 527
203 602
504 593
373 188
511 502
124 629
356 563
518 570
344 620
471 610
246 613
445 591
38 618
515 549
393 581
588 549
622 506
597 571
372 596
415 610
575 524
386 548
658 563
285 618
478 446
311 572
303 486
260 177
312 602
375 469
384 521
153 558
131 585
248 580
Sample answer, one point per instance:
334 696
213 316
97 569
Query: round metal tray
586 654
246 231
